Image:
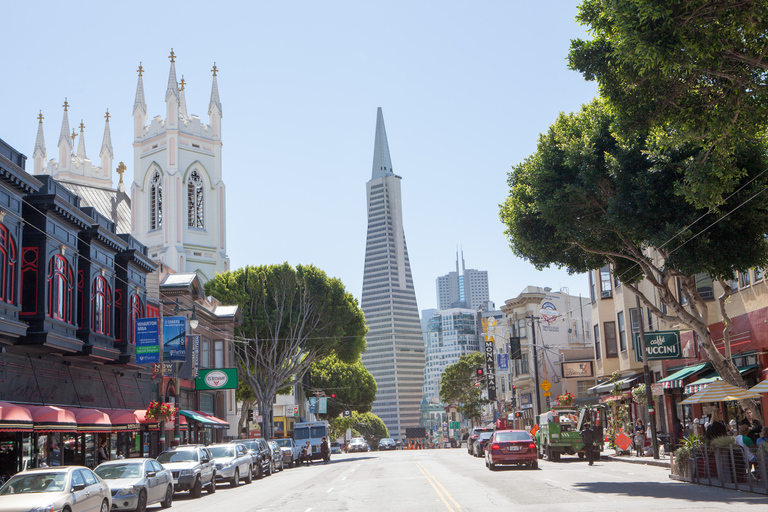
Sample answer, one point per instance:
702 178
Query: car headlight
186 472
130 489
44 508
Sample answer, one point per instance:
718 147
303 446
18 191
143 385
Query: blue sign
503 361
174 338
147 341
322 407
313 405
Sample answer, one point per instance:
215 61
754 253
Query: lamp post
193 323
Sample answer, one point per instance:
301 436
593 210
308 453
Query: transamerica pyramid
395 347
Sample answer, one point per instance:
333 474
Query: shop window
61 288
101 306
8 264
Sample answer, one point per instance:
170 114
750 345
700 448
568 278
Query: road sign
547 393
546 385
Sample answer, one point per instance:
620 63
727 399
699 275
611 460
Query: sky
465 89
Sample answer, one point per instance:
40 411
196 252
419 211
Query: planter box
731 466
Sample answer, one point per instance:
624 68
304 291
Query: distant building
464 288
395 347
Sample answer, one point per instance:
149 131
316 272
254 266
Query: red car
511 447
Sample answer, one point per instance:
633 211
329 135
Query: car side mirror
78 487
150 474
206 460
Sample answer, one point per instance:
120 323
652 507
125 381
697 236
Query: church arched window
195 201
101 307
7 266
61 287
156 202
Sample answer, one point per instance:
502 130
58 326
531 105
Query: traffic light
479 373
515 351
253 415
518 414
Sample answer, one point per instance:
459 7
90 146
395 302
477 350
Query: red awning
123 420
151 424
15 418
92 420
48 418
221 422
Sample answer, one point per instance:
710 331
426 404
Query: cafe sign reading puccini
660 345
225 378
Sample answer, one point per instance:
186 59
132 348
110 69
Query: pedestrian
306 454
716 426
677 433
325 450
102 455
754 426
588 438
639 437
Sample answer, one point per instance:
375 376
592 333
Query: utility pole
537 409
647 379
161 372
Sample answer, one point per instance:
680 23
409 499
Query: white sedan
74 488
136 483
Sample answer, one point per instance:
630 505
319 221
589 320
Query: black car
261 454
474 435
387 444
478 447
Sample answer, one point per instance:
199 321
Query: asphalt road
452 480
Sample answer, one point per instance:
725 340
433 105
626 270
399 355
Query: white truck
314 432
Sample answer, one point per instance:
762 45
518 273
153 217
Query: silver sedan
73 488
136 483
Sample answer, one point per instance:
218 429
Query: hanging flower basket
566 399
160 411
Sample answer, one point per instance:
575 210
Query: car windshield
283 442
179 456
114 471
251 445
387 440
36 482
357 440
221 451
485 435
513 436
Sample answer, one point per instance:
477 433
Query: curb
640 460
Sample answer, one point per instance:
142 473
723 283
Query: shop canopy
15 418
761 388
49 418
123 420
92 420
719 391
700 384
675 380
150 423
607 387
204 419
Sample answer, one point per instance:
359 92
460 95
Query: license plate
513 448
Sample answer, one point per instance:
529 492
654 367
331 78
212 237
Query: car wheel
104 506
249 478
555 456
235 479
261 471
534 465
269 469
282 466
197 488
141 505
548 452
211 487
492 466
168 497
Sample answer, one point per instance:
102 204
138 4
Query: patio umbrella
760 388
719 391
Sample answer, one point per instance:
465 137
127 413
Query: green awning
700 384
676 379
205 420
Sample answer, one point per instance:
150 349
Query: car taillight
532 446
495 446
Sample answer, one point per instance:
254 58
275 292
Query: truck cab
559 430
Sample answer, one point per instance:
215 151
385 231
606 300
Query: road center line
329 490
433 483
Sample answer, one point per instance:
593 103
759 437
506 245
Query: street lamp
194 322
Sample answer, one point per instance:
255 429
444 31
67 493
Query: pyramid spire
39 153
182 99
215 101
81 144
139 101
64 136
173 85
382 163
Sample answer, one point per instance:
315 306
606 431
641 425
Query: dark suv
474 435
192 468
261 454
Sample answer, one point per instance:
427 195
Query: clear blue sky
465 87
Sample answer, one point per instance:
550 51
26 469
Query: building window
521 328
680 296
622 332
744 279
61 287
591 286
606 291
634 320
156 202
524 364
598 354
704 286
218 354
734 283
609 329
7 266
758 274
135 310
101 307
195 201
205 356
650 318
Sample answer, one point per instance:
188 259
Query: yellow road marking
438 487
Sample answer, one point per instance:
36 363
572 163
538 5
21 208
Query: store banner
225 378
190 369
174 338
322 406
503 361
313 405
147 341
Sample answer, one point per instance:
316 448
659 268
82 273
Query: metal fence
733 467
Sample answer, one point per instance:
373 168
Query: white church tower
178 196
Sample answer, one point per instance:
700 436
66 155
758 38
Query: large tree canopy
290 318
367 425
353 386
588 197
458 386
700 66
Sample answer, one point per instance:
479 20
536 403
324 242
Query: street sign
546 385
225 378
659 345
490 377
547 393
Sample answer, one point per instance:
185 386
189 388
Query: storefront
205 428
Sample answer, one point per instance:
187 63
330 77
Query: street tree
589 197
291 317
459 386
698 66
366 425
347 386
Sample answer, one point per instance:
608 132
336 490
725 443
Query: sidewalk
663 461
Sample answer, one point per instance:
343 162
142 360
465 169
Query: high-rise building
464 288
395 348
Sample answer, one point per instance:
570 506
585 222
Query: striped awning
702 383
719 391
761 388
527 413
676 380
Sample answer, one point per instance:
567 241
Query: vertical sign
490 373
322 406
503 361
147 341
190 369
313 405
174 338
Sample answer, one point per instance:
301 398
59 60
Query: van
312 431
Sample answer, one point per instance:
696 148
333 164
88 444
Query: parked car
73 488
358 444
192 468
137 483
479 445
387 444
291 451
511 447
233 463
277 456
474 435
261 455
335 447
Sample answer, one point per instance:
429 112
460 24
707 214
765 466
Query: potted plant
160 411
566 399
682 463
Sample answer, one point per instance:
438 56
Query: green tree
588 197
353 385
290 318
366 425
457 385
698 66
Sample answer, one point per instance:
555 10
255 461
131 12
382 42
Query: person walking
639 438
677 433
306 454
588 438
325 450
